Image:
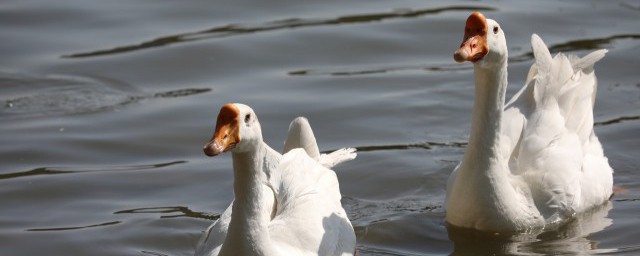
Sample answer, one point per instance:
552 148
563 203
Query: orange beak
226 135
474 44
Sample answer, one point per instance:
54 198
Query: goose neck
252 206
484 139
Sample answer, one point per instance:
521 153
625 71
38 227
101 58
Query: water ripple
52 171
579 45
380 70
421 145
78 227
570 46
627 200
617 120
630 6
242 29
154 253
177 211
28 96
364 212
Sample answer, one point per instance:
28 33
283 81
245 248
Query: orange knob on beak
474 44
226 135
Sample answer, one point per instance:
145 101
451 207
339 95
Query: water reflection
572 238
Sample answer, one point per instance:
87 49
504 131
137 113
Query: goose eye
495 30
247 118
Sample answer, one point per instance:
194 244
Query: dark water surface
105 106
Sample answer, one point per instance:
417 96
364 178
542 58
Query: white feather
300 135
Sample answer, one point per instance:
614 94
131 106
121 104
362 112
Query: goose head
237 130
484 43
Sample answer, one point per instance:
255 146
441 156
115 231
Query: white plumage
284 204
535 161
300 135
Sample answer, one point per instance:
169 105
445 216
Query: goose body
536 161
284 204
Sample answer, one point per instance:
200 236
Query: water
105 106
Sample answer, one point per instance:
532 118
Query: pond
105 106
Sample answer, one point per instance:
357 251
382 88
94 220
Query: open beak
474 44
226 135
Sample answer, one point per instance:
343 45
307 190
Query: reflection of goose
572 238
284 204
537 160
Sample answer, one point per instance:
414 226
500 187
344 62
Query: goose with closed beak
533 163
283 204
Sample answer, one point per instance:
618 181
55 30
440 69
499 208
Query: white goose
536 161
284 204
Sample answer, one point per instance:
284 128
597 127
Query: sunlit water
105 106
